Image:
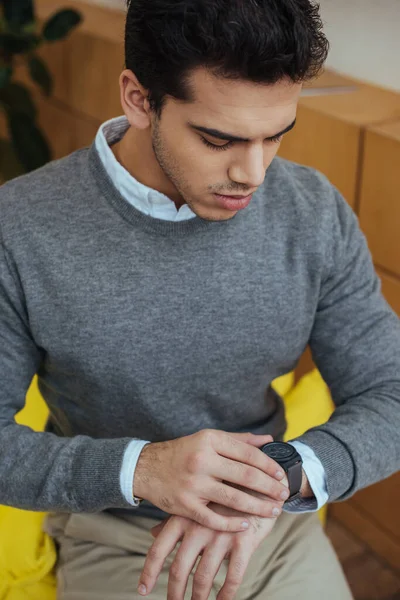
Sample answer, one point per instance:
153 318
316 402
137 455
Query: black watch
291 462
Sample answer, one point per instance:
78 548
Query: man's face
198 163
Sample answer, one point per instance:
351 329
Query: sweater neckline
136 217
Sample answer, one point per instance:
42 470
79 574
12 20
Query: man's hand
213 546
184 475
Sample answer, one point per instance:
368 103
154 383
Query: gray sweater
143 328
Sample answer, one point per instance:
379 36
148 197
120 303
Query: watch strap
295 476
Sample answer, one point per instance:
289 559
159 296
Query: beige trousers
101 558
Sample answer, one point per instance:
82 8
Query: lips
233 203
235 197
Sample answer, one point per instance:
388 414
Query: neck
135 153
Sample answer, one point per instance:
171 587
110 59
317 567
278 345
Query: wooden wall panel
365 527
380 195
86 66
65 131
92 70
327 144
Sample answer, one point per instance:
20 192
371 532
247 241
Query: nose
249 169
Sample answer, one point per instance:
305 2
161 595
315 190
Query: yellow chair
27 555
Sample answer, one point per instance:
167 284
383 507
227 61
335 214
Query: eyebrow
221 135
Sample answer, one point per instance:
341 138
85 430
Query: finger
249 477
158 552
184 561
238 564
208 568
250 438
211 520
231 497
230 447
157 529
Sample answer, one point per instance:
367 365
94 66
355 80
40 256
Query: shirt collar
147 200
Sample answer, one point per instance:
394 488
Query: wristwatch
291 462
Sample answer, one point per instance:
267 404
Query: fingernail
142 589
245 525
279 474
276 512
285 495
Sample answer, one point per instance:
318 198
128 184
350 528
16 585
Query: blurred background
58 87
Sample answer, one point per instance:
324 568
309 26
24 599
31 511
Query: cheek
203 165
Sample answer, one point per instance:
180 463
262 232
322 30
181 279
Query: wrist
305 490
141 478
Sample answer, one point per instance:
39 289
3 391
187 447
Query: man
157 283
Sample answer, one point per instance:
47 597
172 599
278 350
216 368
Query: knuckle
249 454
252 508
233 442
248 477
146 575
201 579
233 581
224 496
153 555
238 566
175 572
277 489
200 518
195 461
207 435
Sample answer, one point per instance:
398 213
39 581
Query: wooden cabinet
329 134
380 194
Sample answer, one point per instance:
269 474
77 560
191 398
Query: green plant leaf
5 75
10 166
18 12
16 99
40 74
29 143
17 43
60 24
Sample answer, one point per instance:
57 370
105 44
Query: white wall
112 3
364 37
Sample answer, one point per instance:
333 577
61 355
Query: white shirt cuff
131 457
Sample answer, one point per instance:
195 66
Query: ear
134 100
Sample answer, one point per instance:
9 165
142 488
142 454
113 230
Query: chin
217 214
208 212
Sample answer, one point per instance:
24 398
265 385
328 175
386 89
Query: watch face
279 450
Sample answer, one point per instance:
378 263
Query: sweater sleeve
41 471
355 342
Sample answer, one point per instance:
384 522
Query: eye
215 146
276 139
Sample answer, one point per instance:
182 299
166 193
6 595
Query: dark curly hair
263 41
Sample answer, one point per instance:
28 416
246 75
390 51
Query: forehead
240 106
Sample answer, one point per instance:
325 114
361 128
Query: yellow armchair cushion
27 555
308 404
